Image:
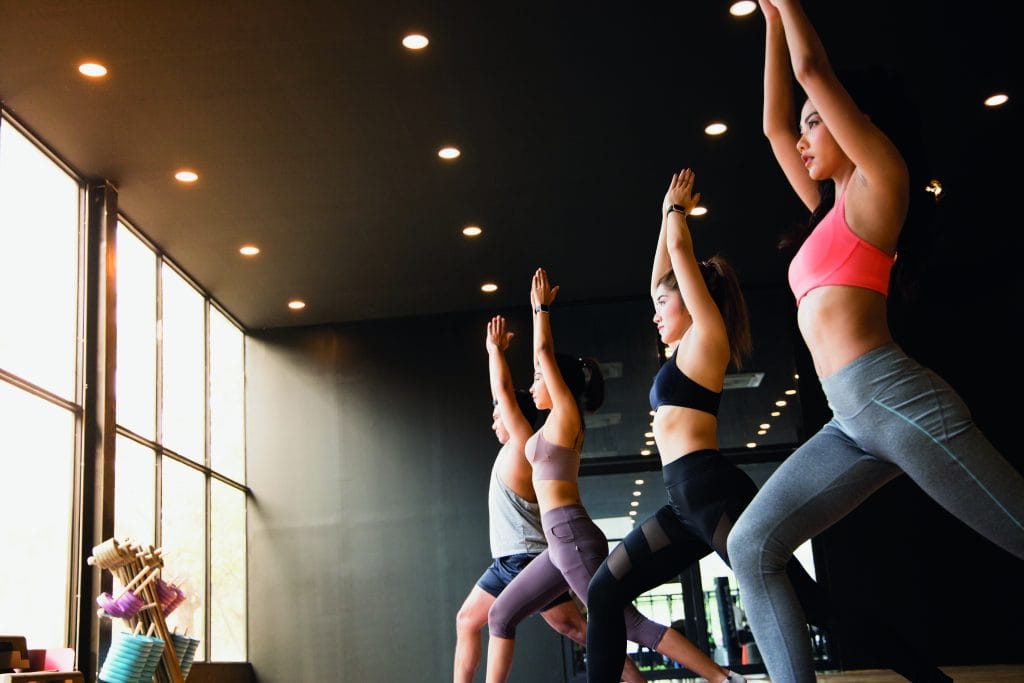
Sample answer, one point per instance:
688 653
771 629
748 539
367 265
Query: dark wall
369 451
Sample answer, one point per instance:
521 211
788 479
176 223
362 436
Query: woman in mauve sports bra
890 415
566 386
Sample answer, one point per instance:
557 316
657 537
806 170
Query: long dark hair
584 378
724 286
880 93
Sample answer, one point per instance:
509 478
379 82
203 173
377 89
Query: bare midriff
678 431
556 493
840 323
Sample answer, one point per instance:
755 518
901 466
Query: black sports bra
672 388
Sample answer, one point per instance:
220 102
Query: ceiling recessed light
790 392
649 435
764 425
415 41
742 8
645 452
637 493
699 211
488 287
471 231
449 153
632 513
780 403
648 443
634 504
996 100
751 445
716 128
639 482
92 70
249 250
775 413
296 304
186 176
762 432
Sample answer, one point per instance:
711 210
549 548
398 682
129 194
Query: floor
1012 673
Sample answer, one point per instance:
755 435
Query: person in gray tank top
516 536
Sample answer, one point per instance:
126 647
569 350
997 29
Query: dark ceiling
315 135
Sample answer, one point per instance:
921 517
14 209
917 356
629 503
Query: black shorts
503 569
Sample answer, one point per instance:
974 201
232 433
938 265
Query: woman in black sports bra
702 317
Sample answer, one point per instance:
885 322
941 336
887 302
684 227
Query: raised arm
779 113
707 319
662 263
562 425
876 158
502 389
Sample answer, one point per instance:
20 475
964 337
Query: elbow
808 66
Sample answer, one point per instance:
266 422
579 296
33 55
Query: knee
468 621
752 550
568 622
500 622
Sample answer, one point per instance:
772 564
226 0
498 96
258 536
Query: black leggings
707 493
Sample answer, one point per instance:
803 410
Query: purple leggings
576 548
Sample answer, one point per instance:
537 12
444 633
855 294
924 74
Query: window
40 404
181 451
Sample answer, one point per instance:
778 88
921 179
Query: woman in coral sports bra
890 414
566 386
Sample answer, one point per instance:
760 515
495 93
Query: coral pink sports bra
833 255
551 461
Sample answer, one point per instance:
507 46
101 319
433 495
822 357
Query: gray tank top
515 521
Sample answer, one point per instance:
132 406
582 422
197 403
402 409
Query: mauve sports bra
834 255
551 461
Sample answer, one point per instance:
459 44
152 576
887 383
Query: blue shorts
503 569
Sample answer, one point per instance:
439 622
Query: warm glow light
249 250
639 482
751 445
652 412
187 176
648 443
780 403
632 513
415 41
699 211
637 493
789 392
645 452
488 287
775 413
742 8
296 304
634 503
92 70
796 376
762 432
934 187
471 230
764 425
996 100
716 128
449 153
649 435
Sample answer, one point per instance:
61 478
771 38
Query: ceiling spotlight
751 445
789 392
92 70
639 482
996 100
472 231
296 304
764 425
716 128
742 8
415 41
249 250
648 443
649 435
699 211
488 287
637 493
796 376
645 452
762 432
634 503
780 403
775 413
632 513
186 176
449 153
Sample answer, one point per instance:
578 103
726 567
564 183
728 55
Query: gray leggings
890 416
576 548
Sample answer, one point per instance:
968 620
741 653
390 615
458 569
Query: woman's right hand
770 11
541 291
498 336
680 191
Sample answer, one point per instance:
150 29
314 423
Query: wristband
678 208
542 308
